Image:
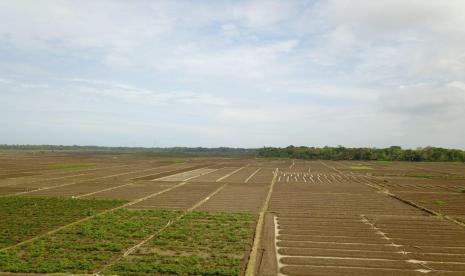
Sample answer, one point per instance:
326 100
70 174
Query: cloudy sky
233 73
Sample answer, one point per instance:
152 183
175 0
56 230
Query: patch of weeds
86 246
22 218
463 191
361 168
439 202
200 243
68 166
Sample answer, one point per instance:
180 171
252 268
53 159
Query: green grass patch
22 218
200 243
439 202
361 168
463 191
437 176
87 246
71 166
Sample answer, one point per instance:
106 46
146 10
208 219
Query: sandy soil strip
251 266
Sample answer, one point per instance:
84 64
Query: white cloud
277 72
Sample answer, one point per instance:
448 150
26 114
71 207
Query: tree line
190 151
394 153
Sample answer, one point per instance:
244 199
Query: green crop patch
361 168
200 243
439 202
22 218
86 246
68 166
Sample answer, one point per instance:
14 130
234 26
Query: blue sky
233 73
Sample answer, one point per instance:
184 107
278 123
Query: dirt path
252 264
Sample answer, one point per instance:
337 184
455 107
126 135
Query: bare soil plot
323 228
78 188
169 170
344 242
316 178
333 198
58 176
87 187
410 184
216 175
242 175
133 191
95 175
265 175
181 197
436 244
236 197
452 204
183 176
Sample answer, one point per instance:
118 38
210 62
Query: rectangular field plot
198 244
237 198
242 175
216 175
265 175
182 197
107 174
78 188
87 246
22 218
348 245
133 191
452 204
187 175
350 198
435 243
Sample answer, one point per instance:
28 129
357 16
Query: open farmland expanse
128 214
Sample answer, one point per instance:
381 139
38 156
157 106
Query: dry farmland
87 213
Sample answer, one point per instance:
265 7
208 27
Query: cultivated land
123 214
